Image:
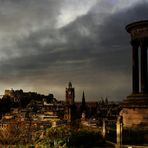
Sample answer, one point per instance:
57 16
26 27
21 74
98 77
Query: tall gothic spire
70 84
83 99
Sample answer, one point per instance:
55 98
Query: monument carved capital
135 43
143 42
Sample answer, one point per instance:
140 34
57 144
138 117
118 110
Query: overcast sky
44 44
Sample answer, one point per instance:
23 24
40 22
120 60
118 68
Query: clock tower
70 94
70 102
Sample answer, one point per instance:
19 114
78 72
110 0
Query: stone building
70 103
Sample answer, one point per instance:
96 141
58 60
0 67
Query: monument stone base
135 111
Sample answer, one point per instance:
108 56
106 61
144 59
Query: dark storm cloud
113 37
25 14
19 20
95 55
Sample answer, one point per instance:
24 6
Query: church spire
70 84
83 99
83 107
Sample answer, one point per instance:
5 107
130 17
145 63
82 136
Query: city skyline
45 44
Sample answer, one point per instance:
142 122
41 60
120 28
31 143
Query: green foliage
54 137
66 137
59 137
85 138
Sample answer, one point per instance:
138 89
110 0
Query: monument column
135 66
144 77
135 106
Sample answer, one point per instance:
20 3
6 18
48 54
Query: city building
69 102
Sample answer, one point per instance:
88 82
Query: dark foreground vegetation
60 137
72 138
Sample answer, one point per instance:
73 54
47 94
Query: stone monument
135 106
